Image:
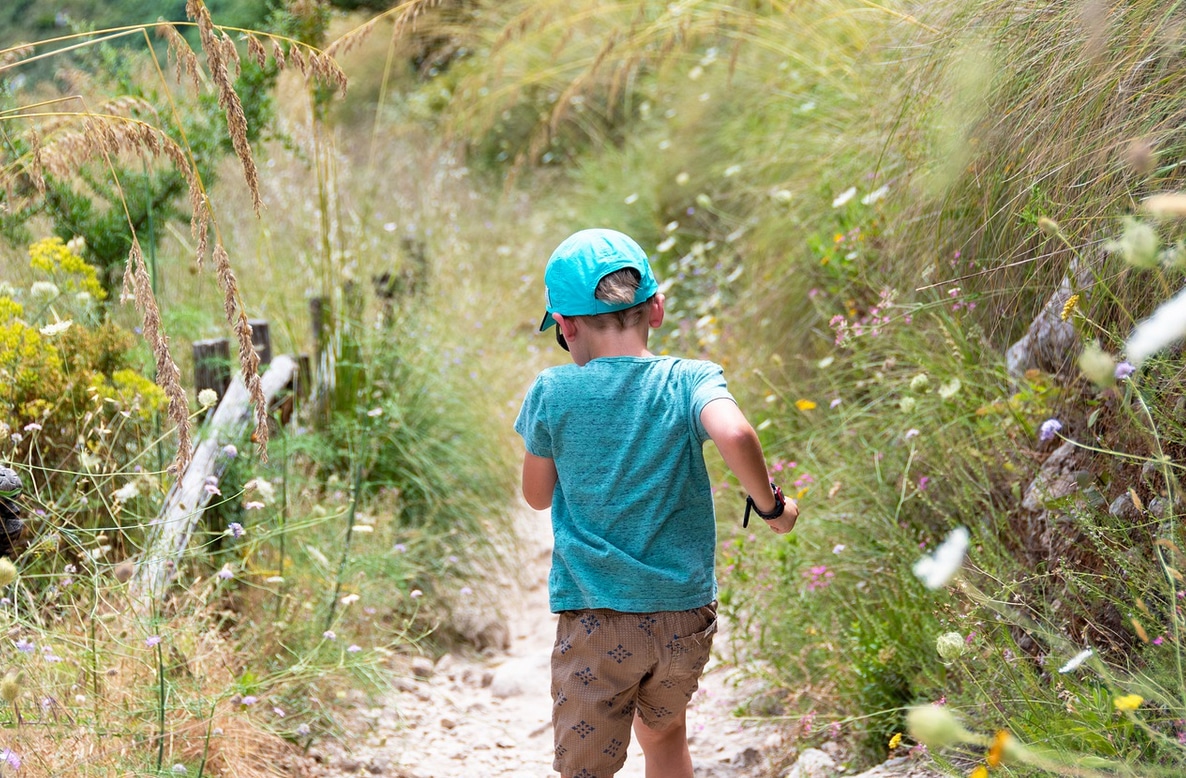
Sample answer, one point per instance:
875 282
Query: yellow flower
1128 702
980 772
895 741
996 749
1068 308
804 405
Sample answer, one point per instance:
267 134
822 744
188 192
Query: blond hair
617 288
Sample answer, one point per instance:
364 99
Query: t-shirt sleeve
532 423
708 384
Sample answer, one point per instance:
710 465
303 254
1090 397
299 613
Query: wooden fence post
261 339
212 365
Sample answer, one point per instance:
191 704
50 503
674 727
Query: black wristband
780 505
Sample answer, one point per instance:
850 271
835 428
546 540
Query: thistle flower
937 569
950 646
10 686
937 727
1098 365
8 572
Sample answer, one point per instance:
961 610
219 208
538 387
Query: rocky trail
490 715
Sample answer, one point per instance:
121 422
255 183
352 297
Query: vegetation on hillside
857 208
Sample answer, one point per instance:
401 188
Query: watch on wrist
780 505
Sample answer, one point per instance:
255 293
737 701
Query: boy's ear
655 314
566 325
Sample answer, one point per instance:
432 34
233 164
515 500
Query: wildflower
818 577
920 382
804 405
57 328
126 492
235 530
980 771
1166 325
906 404
24 646
844 197
416 594
10 758
399 548
466 591
44 290
923 483
226 573
1124 370
1049 429
211 486
353 648
1048 226
180 769
267 492
1138 245
249 699
1097 365
936 726
229 451
950 646
950 388
33 427
1128 702
303 730
375 412
836 549
935 571
10 686
1074 662
152 640
835 402
278 711
8 572
350 599
252 505
1069 307
875 195
895 741
207 397
911 433
329 634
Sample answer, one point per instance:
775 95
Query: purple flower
226 573
1049 429
229 451
1124 370
24 646
329 634
399 548
235 529
10 758
923 482
250 699
152 640
353 649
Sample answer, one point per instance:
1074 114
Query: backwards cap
578 265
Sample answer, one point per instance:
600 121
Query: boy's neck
617 343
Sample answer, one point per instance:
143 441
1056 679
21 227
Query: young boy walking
615 448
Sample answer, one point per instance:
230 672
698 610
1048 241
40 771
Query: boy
615 448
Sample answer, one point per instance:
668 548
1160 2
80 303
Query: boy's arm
539 481
741 449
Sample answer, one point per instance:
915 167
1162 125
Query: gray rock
1124 508
813 763
422 667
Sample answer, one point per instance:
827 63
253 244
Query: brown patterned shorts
606 665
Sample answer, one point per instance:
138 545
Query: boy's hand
786 522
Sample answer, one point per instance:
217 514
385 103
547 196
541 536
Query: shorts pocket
690 653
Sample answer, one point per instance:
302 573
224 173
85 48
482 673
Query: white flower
920 382
1138 245
266 491
937 569
1078 659
1166 325
375 412
207 397
844 197
44 289
950 388
126 492
875 195
666 245
57 328
906 404
836 549
350 598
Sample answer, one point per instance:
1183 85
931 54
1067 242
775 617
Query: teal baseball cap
578 265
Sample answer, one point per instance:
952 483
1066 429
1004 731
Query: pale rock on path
491 717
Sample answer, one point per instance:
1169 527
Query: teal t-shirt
632 512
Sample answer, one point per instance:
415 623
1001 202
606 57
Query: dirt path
491 717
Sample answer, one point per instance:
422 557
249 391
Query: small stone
350 766
487 678
448 723
404 684
505 743
422 667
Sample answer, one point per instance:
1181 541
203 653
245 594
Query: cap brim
547 322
